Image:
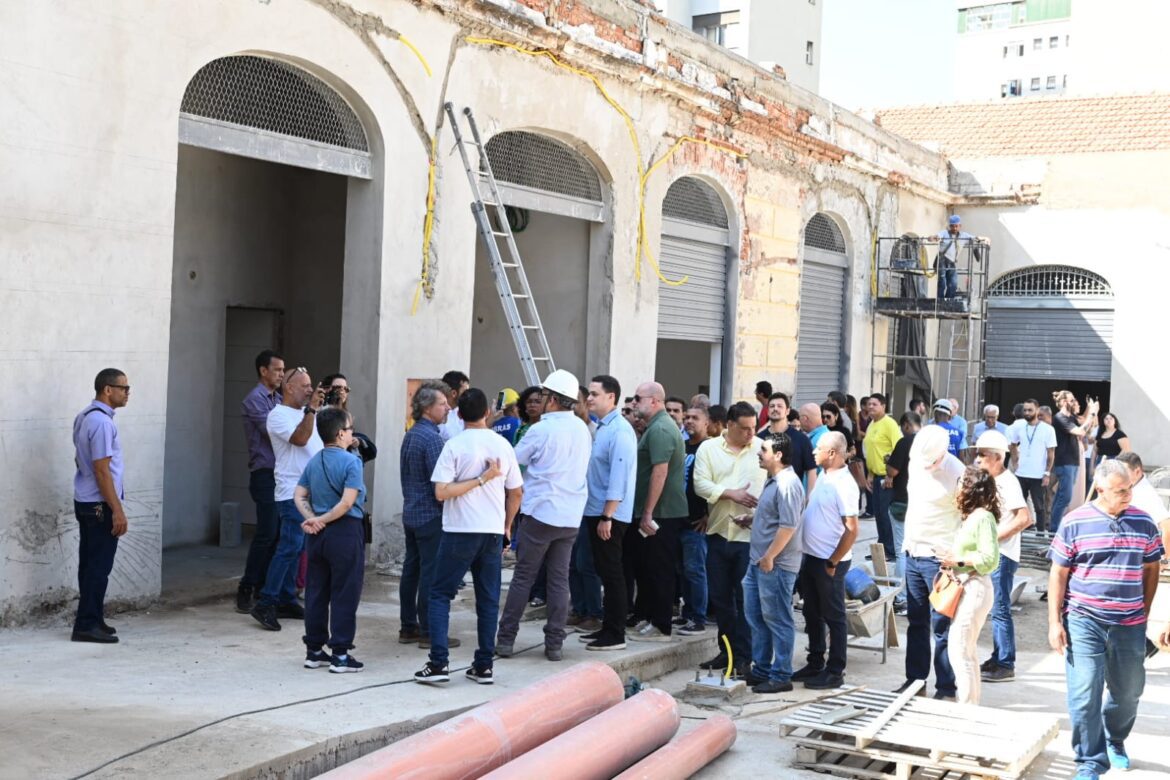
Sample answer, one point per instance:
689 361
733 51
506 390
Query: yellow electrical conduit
406 42
643 172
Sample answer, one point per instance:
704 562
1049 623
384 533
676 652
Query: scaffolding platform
946 308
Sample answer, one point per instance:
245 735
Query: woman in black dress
1111 440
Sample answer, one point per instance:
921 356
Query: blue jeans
694 564
898 525
1064 490
881 515
459 553
767 604
418 572
923 622
1101 655
280 585
1003 630
727 563
948 282
96 547
584 584
262 486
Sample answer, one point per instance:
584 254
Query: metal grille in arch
691 200
1050 280
542 163
271 95
821 232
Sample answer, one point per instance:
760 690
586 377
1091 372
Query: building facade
772 33
186 185
1071 195
1032 48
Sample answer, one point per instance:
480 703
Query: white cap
992 440
929 445
563 383
943 405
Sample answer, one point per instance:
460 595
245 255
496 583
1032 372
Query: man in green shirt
881 436
660 511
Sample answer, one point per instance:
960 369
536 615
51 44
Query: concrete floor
143 706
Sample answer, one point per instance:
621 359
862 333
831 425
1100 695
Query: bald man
812 423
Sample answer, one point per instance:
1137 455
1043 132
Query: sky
883 53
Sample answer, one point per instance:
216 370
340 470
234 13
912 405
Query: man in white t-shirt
1145 496
932 520
556 453
828 530
292 429
1033 444
478 480
991 449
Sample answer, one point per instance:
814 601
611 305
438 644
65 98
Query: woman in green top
974 557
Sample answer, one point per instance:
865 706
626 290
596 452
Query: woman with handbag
973 558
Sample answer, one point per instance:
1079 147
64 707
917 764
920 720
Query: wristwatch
479 479
605 519
830 565
310 410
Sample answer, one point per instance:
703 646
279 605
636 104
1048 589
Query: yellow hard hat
510 396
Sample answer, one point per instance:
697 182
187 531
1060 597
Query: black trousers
727 563
607 560
654 573
824 606
333 585
96 548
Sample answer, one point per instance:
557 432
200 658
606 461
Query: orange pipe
603 745
494 733
687 754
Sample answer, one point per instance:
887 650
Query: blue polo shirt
612 466
95 437
328 474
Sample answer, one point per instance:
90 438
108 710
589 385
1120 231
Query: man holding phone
506 420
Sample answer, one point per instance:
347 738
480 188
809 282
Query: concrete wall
88 211
555 253
247 233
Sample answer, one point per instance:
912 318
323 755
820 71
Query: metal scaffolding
934 341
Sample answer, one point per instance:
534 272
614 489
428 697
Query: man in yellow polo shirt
881 436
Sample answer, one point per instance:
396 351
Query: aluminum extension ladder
511 281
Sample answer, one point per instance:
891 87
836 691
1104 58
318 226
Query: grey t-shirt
779 507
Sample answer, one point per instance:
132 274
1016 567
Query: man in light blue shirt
990 422
610 507
950 241
556 453
97 502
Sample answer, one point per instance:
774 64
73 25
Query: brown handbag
946 593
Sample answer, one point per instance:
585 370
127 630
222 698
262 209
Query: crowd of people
644 516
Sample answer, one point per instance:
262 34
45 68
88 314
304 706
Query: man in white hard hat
991 452
556 453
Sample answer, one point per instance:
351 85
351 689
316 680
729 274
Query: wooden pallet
905 735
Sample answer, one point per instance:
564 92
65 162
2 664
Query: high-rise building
786 33
1034 48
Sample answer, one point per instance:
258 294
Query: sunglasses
120 387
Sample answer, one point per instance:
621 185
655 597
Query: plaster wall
87 208
247 233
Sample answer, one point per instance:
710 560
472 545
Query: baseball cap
955 220
943 405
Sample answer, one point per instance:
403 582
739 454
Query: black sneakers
293 610
244 599
824 681
803 673
341 664
432 674
602 643
95 635
718 662
998 674
481 676
592 637
266 617
316 659
772 686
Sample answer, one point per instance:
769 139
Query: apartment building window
808 52
990 17
720 29
1054 41
1037 44
1010 89
1036 84
1051 82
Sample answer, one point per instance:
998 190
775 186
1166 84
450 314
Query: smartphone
653 524
500 400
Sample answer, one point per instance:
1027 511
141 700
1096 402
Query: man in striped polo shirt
1104 573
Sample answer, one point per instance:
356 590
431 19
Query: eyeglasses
340 388
120 387
826 417
288 377
348 428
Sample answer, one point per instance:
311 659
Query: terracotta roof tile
1037 126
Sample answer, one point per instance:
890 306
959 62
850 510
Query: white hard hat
992 440
563 383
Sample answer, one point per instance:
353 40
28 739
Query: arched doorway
1049 327
271 161
557 210
820 345
692 317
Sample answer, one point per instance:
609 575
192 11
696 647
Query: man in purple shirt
97 502
262 399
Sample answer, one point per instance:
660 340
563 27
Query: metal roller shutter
822 325
1049 337
697 310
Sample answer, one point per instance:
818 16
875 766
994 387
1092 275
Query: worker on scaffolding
946 264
